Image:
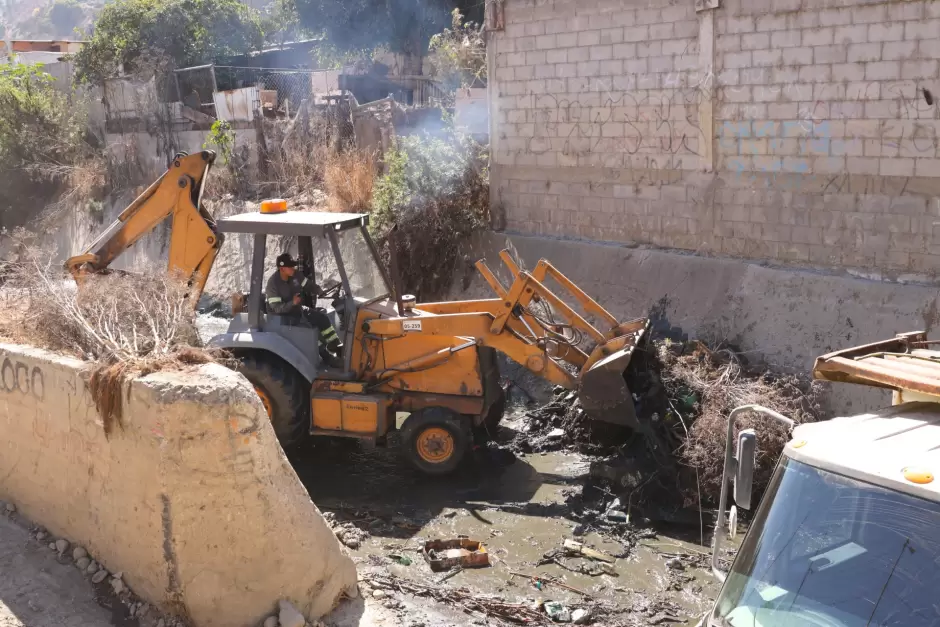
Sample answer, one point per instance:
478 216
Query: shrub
43 143
436 190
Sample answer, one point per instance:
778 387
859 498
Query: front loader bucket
603 387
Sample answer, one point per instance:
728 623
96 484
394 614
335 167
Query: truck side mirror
744 472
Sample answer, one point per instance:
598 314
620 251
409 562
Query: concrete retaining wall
193 499
785 316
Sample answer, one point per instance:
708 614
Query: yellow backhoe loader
434 361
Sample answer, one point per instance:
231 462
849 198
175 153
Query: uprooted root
106 385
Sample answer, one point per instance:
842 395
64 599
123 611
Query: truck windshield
365 277
828 551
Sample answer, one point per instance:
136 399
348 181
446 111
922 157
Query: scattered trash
539 582
518 613
557 612
675 564
581 616
556 434
575 548
616 515
452 573
444 555
404 560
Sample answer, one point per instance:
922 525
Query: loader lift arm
194 241
538 340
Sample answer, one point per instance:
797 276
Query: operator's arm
310 287
275 299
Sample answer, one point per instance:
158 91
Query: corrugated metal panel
237 105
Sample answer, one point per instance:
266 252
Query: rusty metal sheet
237 105
902 363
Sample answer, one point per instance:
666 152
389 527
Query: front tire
284 393
435 440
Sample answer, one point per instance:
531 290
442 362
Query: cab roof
300 223
877 447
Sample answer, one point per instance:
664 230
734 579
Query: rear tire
284 393
435 440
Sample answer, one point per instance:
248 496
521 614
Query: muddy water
519 508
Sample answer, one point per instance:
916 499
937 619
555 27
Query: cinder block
611 35
927 167
829 54
755 41
816 74
886 32
566 39
766 58
636 33
835 17
782 111
864 52
855 34
919 69
922 29
732 43
883 70
625 51
662 31
737 60
686 28
589 38
579 54
881 109
602 53
822 36
535 57
661 64
797 56
894 50
771 23
636 66
649 49
900 11
896 167
873 14
846 110
545 71
742 24
785 38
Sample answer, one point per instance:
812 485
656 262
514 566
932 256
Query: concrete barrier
193 499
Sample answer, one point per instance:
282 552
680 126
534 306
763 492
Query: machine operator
284 294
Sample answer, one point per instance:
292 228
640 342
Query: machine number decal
411 325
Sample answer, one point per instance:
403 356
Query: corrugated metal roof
877 447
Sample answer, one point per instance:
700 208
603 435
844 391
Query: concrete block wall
801 131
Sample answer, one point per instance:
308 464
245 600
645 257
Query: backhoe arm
194 242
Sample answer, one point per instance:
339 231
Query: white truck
848 531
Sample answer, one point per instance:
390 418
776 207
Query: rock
11 508
119 574
581 616
556 434
352 542
270 621
82 563
92 567
675 564
117 585
379 594
52 545
289 616
143 609
61 546
99 576
161 623
41 535
78 553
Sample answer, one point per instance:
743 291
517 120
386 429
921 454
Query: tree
188 32
400 25
458 54
65 16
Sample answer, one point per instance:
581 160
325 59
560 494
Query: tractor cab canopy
333 248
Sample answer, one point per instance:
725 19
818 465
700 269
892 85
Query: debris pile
683 393
346 532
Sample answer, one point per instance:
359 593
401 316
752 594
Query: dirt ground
522 508
37 590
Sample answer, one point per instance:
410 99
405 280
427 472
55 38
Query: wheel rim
435 445
266 401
